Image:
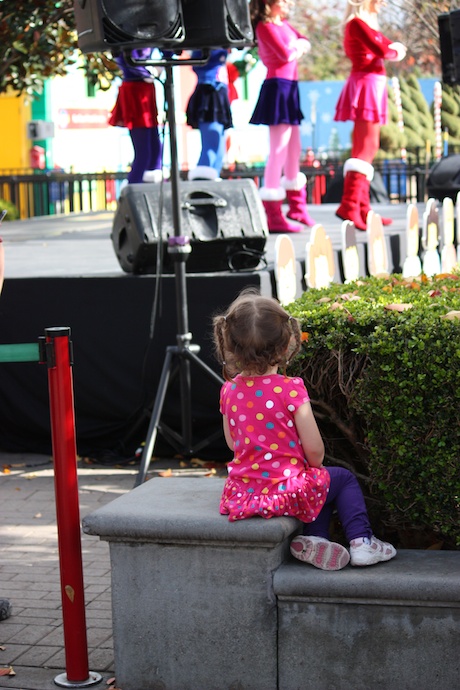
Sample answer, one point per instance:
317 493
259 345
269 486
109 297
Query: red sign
82 118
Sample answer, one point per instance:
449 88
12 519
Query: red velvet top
366 47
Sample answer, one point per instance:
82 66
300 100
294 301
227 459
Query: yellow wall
14 147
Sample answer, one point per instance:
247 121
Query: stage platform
62 271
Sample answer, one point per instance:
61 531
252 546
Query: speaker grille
114 35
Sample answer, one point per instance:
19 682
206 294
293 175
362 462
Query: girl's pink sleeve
273 36
373 40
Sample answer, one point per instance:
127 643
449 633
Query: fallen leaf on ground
166 473
8 671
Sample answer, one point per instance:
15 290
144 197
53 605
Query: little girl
278 450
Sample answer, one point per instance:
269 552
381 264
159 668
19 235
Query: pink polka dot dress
269 475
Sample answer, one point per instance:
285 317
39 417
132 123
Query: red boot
272 200
349 208
296 194
365 206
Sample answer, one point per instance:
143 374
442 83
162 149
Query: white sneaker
320 552
370 551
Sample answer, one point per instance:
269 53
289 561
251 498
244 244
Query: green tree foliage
38 40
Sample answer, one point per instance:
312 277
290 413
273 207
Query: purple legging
147 152
344 494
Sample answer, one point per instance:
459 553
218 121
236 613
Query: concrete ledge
413 577
394 625
178 510
202 603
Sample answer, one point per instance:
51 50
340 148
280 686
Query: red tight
366 140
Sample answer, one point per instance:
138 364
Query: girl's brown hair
255 334
260 11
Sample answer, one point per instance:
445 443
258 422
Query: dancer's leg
366 140
212 145
280 136
294 150
155 158
140 136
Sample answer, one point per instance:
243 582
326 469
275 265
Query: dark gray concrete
193 602
186 580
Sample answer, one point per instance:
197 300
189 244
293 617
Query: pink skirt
364 97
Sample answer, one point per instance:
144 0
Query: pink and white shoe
367 551
323 554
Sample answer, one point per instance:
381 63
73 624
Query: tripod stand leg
155 419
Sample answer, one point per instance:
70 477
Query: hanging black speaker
106 24
167 25
217 23
445 44
454 21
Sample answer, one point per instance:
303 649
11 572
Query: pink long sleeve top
277 49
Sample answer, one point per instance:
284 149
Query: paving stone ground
32 640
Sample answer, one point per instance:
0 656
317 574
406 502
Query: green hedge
381 359
13 213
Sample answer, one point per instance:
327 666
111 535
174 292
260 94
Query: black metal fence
42 193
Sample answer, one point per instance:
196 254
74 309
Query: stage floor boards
79 245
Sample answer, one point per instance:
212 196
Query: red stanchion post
58 358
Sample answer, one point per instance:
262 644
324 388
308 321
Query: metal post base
92 679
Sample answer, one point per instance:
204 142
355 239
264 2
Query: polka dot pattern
268 475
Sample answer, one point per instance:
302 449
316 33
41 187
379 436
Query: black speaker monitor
168 25
224 221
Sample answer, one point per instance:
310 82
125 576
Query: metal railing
42 193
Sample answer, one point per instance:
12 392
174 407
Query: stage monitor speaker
175 25
444 178
224 220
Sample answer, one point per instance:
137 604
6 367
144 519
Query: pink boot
296 193
272 200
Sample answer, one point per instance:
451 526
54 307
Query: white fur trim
202 172
152 176
272 194
298 183
358 165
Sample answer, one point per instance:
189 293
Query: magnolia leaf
8 671
451 315
398 307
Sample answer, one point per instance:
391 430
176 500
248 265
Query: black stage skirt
208 104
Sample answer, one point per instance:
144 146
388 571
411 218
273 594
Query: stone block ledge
182 510
414 577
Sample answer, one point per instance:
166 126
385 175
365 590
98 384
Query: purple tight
147 152
344 494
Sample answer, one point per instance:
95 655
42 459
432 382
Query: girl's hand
302 47
400 49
